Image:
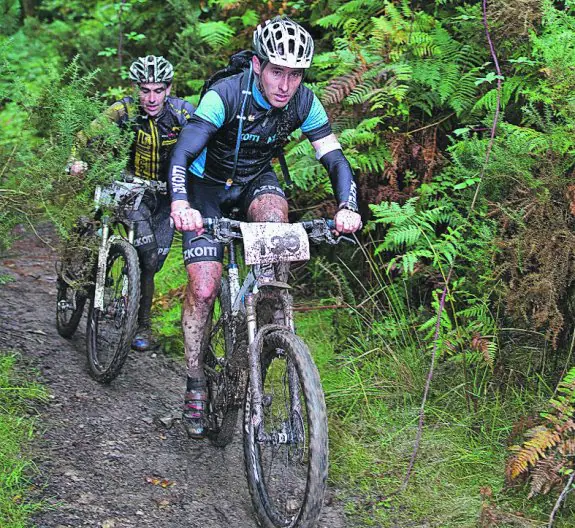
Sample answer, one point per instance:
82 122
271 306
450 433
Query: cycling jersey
154 136
207 148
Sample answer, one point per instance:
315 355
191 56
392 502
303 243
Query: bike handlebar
318 230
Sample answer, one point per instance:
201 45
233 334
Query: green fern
216 34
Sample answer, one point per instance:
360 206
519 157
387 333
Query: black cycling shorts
214 201
153 232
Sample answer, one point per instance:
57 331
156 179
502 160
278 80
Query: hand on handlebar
185 218
347 221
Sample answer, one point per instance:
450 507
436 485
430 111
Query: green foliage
54 123
411 90
216 34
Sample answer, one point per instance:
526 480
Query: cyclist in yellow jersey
157 120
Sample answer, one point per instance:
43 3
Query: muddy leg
268 208
203 283
271 208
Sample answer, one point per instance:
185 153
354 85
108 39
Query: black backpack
239 62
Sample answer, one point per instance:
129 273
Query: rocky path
106 456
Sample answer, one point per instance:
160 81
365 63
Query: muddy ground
105 457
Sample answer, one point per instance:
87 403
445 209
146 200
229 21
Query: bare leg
271 208
268 208
203 283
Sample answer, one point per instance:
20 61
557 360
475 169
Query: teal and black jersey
221 107
207 147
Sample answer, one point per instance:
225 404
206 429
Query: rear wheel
286 465
111 328
75 277
69 308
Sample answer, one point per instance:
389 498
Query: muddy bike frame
121 195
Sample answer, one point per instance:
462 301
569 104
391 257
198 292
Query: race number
267 242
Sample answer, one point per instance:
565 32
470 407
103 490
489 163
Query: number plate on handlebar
114 194
267 242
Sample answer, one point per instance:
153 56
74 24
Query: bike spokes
286 453
282 441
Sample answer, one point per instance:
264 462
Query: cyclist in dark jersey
223 159
157 120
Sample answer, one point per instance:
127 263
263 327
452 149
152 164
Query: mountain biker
156 121
266 102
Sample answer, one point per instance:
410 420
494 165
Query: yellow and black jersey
154 136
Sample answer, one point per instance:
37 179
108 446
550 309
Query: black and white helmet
151 69
283 42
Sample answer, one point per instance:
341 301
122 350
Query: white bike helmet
283 42
151 69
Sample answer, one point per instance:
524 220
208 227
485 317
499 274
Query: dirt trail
104 452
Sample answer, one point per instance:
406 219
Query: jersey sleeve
113 113
316 125
212 109
191 142
188 111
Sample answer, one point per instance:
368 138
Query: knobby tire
287 491
110 331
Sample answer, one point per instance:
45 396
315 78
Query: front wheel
287 457
111 329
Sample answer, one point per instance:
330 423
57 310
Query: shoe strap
195 404
195 395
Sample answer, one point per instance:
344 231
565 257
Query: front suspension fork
256 381
103 250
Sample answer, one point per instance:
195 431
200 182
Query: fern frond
217 35
545 475
532 450
340 87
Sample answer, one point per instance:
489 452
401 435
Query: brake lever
343 238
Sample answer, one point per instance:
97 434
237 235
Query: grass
167 308
16 432
373 399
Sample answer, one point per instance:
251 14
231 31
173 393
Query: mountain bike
100 264
253 358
